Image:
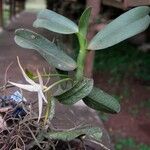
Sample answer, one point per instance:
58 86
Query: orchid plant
125 26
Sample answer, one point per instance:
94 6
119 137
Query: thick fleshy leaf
68 135
54 22
101 101
77 92
54 56
84 22
124 27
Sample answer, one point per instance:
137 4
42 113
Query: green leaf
68 135
124 27
84 22
54 22
77 92
54 56
101 101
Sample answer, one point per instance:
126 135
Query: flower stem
56 83
50 108
52 75
81 57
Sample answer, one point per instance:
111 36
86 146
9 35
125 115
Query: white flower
33 87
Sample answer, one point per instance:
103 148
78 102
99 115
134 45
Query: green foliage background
124 60
130 144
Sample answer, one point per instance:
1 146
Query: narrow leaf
77 92
84 22
68 135
54 22
54 56
101 101
124 27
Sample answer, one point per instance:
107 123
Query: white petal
40 101
24 74
27 87
42 95
40 79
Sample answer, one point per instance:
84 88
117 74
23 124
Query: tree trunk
12 9
1 13
95 4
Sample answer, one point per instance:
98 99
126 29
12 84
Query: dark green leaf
54 22
101 101
54 56
68 135
77 92
84 22
124 27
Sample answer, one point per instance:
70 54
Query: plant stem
50 108
51 75
81 57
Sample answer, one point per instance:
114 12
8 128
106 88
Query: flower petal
40 101
42 95
40 79
24 74
27 87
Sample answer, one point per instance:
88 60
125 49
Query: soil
134 118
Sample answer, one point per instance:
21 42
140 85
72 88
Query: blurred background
122 70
